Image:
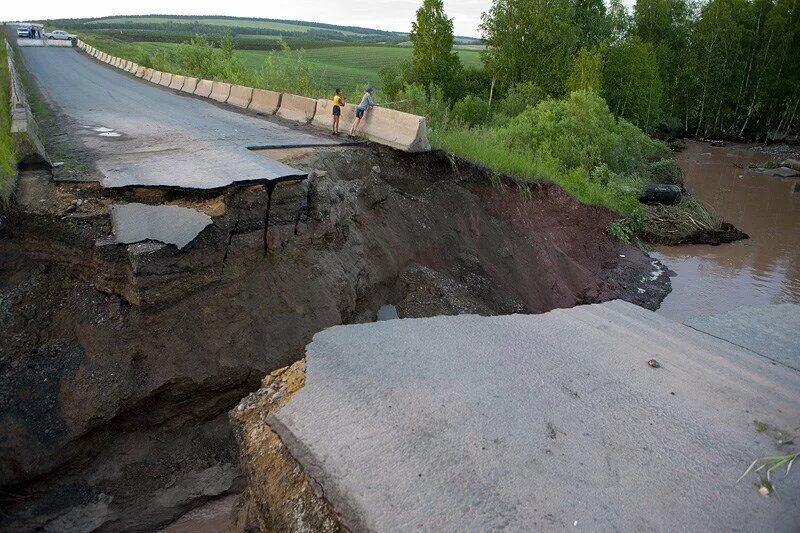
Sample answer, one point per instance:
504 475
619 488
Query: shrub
471 111
8 160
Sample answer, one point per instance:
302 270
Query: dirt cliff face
119 362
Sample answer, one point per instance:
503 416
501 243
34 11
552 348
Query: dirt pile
119 362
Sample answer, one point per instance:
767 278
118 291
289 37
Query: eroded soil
118 363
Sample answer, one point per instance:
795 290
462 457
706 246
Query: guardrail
402 131
22 119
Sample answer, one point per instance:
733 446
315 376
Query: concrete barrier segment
148 73
166 79
240 96
140 70
189 85
177 82
204 88
220 91
297 108
399 130
323 118
265 102
156 77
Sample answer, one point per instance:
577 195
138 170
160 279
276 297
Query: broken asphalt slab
168 224
140 134
543 422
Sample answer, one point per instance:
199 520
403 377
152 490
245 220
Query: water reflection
762 270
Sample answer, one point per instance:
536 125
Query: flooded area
764 269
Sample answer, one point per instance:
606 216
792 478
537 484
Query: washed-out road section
144 135
542 422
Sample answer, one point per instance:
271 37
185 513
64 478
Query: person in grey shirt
367 102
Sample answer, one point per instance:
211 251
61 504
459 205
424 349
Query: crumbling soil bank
119 362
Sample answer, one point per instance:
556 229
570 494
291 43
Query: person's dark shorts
360 112
337 111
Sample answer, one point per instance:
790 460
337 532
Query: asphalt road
546 422
141 134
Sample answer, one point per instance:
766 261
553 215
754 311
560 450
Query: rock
791 163
786 172
719 144
656 193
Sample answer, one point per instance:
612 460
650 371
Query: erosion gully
763 269
119 362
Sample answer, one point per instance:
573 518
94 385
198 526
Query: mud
119 362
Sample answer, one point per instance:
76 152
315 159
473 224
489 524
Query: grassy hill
340 56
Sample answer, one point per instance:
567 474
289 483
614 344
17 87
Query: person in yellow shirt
338 103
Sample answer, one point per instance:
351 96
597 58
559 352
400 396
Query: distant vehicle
23 31
60 35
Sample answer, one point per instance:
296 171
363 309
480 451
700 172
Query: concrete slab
204 88
265 102
220 91
160 138
297 108
148 74
240 96
169 224
140 71
166 79
541 422
156 77
772 331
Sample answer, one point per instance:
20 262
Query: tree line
719 68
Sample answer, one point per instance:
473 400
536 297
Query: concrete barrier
140 70
204 88
265 102
177 82
297 108
220 91
323 118
240 96
148 73
117 62
156 77
166 79
132 67
399 130
189 85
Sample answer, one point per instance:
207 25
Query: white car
60 35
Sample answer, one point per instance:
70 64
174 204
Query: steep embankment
119 362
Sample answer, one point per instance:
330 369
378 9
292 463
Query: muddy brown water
764 269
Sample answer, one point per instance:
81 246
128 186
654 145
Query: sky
395 15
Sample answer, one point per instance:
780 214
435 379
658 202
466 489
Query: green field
346 66
224 22
349 67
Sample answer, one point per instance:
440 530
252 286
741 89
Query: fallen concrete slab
169 224
772 331
220 91
297 108
605 418
240 96
265 102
